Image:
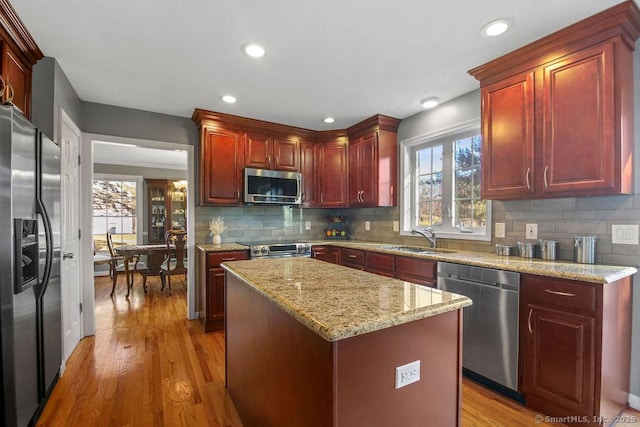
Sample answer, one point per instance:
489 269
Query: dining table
128 252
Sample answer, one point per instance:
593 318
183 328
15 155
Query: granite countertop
594 273
338 302
223 247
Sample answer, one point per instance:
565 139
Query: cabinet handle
529 321
277 160
546 183
238 195
4 86
527 178
227 259
10 93
562 294
351 256
392 192
362 196
268 158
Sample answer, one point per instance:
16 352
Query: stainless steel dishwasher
490 328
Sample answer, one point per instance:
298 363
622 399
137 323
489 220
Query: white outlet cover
624 234
500 230
396 225
307 225
367 225
531 231
407 374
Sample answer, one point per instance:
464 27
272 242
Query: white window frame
139 180
408 184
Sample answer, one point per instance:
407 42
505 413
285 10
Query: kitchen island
315 344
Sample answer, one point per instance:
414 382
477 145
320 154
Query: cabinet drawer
416 267
378 263
214 259
353 258
564 294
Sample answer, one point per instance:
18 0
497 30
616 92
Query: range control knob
307 248
264 250
256 251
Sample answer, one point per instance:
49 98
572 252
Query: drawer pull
352 256
527 178
562 294
546 183
529 321
227 259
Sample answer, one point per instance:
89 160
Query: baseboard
634 401
63 366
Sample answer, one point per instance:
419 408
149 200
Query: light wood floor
147 365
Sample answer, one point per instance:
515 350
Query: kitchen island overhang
310 343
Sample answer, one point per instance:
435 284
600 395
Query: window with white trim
441 184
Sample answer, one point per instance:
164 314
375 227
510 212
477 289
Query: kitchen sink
417 250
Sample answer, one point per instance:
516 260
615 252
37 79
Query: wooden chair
175 259
117 265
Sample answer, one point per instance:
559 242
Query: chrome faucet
428 234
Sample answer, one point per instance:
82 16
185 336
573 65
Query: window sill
456 236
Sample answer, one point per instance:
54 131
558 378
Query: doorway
118 157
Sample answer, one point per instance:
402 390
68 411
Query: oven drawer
214 259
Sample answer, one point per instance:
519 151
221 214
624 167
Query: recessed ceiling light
254 50
328 120
496 27
229 99
430 102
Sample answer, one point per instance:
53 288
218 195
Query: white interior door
70 274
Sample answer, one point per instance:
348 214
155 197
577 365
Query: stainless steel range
280 250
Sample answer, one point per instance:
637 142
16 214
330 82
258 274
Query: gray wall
130 123
52 91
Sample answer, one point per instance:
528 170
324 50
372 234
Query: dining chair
118 265
175 259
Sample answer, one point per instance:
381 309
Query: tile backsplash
557 219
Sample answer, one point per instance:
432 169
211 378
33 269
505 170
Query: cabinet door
286 155
368 167
508 138
579 141
158 213
332 174
416 270
257 153
382 264
215 294
559 361
221 167
326 253
16 74
308 170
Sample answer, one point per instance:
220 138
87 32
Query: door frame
86 210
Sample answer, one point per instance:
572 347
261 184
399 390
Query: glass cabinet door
178 207
157 193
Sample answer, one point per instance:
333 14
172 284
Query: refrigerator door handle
42 285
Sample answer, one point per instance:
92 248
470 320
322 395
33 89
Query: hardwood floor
147 365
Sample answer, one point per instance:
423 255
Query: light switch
624 234
396 225
500 230
307 225
367 225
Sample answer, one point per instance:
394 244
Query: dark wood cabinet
508 138
211 281
379 263
353 258
555 112
373 152
221 163
266 152
19 54
308 171
326 253
575 342
416 270
331 174
166 209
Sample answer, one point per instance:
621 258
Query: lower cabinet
211 286
353 258
416 270
326 253
379 263
575 339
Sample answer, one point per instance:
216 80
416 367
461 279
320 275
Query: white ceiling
348 59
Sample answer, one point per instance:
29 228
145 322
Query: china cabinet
166 209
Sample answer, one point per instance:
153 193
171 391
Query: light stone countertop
223 247
339 302
594 273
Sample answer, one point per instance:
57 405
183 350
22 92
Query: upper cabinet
221 164
266 152
308 157
19 53
557 114
373 159
332 171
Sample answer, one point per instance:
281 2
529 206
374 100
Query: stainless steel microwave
262 186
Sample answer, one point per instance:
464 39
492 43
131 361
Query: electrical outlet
307 225
500 230
396 225
532 231
367 225
407 374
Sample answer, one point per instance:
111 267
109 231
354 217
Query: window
441 175
116 209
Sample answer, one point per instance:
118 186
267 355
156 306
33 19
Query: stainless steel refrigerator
30 301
